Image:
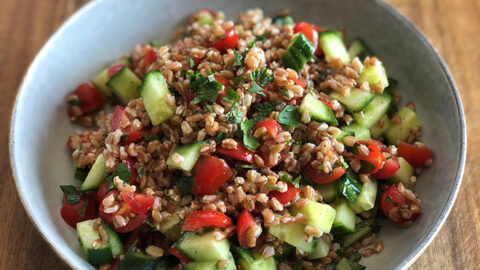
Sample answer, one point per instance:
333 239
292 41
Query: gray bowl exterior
104 29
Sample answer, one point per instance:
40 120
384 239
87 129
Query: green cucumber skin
202 247
293 234
190 153
125 85
321 250
399 132
96 175
137 261
333 46
356 101
361 133
114 240
358 49
328 191
344 222
154 92
100 81
373 111
258 263
358 235
380 127
366 198
318 111
298 52
319 215
87 235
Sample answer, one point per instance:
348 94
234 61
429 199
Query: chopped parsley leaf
122 172
255 88
239 59
289 116
248 140
231 96
71 194
190 61
272 187
75 102
235 115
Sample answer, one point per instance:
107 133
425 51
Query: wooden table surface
453 26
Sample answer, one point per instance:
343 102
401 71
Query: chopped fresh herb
80 173
221 136
188 34
395 204
249 166
82 210
235 115
355 256
295 183
349 186
206 88
122 172
140 172
80 147
285 93
208 108
237 80
231 96
262 76
238 59
298 266
248 140
151 137
190 61
388 199
264 110
173 89
105 135
344 164
261 37
152 226
272 187
157 44
389 157
124 138
255 88
251 44
71 194
184 184
289 116
75 102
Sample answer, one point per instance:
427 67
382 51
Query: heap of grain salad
259 144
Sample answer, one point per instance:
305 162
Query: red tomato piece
196 61
120 119
175 252
189 96
285 197
132 224
391 201
299 82
114 69
327 104
390 167
206 218
415 155
225 83
228 41
210 173
381 146
89 96
266 159
139 203
149 58
272 126
130 164
81 211
101 192
318 176
240 153
245 221
124 211
308 31
375 157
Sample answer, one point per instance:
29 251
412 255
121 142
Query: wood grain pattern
452 27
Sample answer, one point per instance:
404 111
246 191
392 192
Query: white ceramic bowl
104 29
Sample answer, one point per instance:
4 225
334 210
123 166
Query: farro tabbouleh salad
258 144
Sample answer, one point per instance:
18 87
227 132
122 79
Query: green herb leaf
122 172
248 140
238 59
147 222
255 88
388 199
151 137
184 184
206 88
235 115
124 138
285 93
80 173
272 187
140 172
295 182
71 194
264 110
237 80
262 76
221 136
289 116
82 210
75 102
190 61
157 44
261 37
344 164
231 96
188 34
208 108
349 186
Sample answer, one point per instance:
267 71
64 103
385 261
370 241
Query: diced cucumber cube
298 52
333 46
403 174
114 240
258 263
125 85
374 75
399 130
96 175
373 111
159 101
187 154
355 101
361 133
319 215
87 235
346 264
318 111
203 247
380 127
358 235
100 81
344 222
328 191
321 250
294 234
366 198
358 49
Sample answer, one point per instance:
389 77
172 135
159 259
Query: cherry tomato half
120 120
390 167
245 221
285 197
83 210
272 126
391 202
206 218
413 154
89 98
228 41
239 153
124 211
309 32
318 176
139 203
225 83
210 173
374 157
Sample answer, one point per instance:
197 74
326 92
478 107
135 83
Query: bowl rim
404 264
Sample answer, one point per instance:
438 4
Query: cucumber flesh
125 85
346 264
100 81
374 75
355 101
399 131
373 111
318 111
155 95
203 247
298 52
358 49
321 250
114 240
328 191
380 127
366 198
358 235
96 175
190 154
344 222
87 235
206 19
171 227
339 137
258 263
333 46
361 133
293 234
403 174
319 215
